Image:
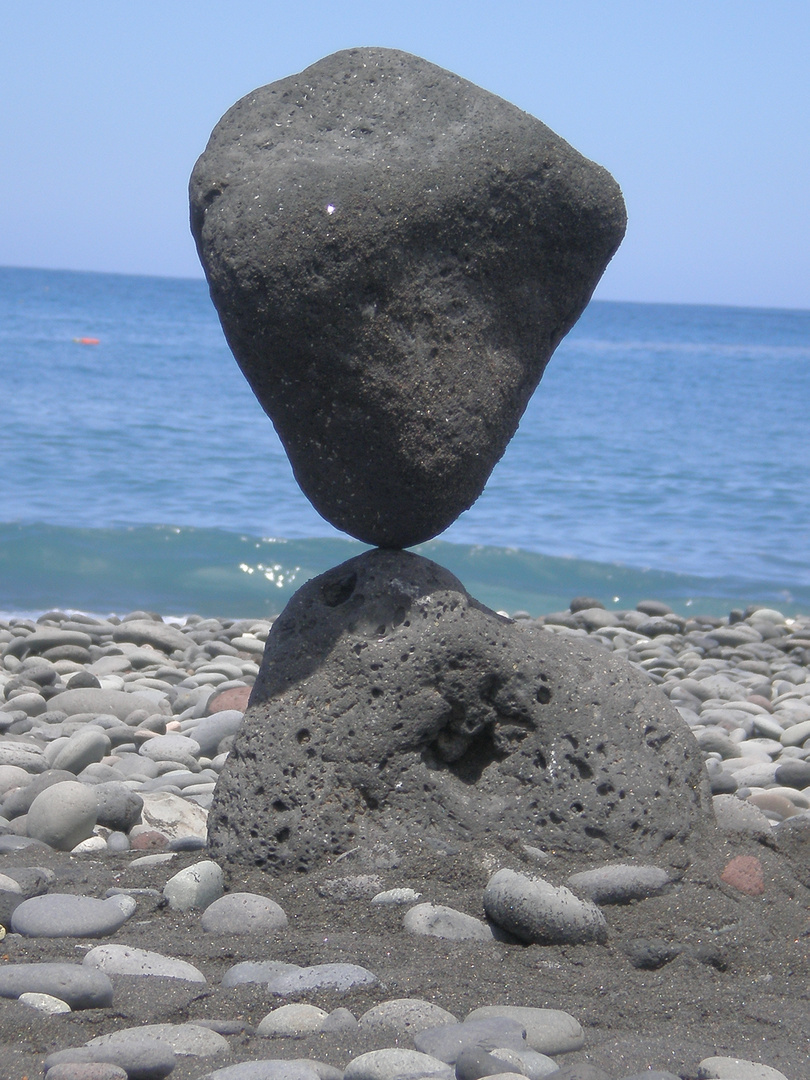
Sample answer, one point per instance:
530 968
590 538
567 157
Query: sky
701 110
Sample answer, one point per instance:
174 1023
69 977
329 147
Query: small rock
125 960
243 913
292 1020
63 815
536 911
436 920
196 886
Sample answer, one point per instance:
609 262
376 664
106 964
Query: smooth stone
796 735
23 756
171 747
118 703
338 977
42 640
407 645
196 886
12 776
172 815
548 1031
395 1064
157 634
530 1063
292 1020
119 808
126 960
473 1063
186 1040
256 971
243 913
273 1069
19 802
735 816
9 842
65 915
63 815
80 987
354 293
141 1058
89 744
31 703
396 896
209 731
793 772
437 920
728 1068
619 883
447 1041
405 1016
95 1070
535 911
46 1003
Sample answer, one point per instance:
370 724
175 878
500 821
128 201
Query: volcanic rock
391 704
394 254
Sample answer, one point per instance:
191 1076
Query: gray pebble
196 886
619 883
243 913
142 1058
406 1016
125 960
66 915
536 911
80 987
187 1040
395 1064
340 977
447 1041
436 920
85 746
548 1031
257 971
63 815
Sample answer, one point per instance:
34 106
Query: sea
664 455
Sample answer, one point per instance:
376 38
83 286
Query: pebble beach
126 952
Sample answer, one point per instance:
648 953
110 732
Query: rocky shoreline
112 736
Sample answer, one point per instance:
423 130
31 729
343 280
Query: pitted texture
394 254
390 702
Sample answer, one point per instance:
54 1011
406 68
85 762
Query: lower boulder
390 703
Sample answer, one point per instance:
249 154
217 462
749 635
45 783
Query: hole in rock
582 767
337 592
604 788
594 833
555 818
279 806
283 835
303 736
577 807
543 695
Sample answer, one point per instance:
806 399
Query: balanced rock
389 699
394 254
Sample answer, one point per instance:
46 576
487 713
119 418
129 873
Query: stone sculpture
394 254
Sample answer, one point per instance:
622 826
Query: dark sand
741 988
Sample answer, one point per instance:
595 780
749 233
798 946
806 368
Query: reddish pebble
95 1070
236 697
149 841
744 873
763 702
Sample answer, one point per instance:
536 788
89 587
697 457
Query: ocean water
664 454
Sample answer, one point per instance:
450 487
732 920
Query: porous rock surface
391 703
394 254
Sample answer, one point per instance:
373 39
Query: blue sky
701 110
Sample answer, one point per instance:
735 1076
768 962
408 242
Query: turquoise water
664 454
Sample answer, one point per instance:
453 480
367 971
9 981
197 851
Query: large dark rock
394 254
391 704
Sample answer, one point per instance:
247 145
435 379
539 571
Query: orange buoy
86 340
